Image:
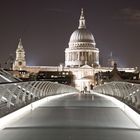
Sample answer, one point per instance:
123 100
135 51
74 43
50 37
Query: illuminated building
81 58
82 47
20 62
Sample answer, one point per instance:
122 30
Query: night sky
45 27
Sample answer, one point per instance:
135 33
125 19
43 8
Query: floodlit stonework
81 58
20 62
82 47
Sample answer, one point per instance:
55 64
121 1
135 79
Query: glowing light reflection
5 78
15 116
125 108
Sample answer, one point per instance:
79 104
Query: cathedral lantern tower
20 62
82 47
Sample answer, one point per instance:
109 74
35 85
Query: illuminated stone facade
82 47
81 58
20 62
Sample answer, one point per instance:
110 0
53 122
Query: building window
20 63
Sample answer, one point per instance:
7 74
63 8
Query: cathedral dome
82 47
81 35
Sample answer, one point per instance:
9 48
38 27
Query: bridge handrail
7 76
18 94
126 92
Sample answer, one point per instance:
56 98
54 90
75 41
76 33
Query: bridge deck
74 117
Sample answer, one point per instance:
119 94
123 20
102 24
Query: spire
111 56
20 44
82 20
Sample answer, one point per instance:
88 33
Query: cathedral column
67 56
70 56
78 56
74 56
97 57
85 56
93 57
89 57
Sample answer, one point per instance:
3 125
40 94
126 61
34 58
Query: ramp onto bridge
74 117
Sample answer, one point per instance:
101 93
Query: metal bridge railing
7 77
126 92
16 95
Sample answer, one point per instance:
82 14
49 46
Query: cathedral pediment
86 67
89 77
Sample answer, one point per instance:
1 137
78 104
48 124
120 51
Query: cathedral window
20 63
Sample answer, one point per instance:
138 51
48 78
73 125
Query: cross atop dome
82 20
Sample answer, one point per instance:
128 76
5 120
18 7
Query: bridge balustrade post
138 97
24 89
13 93
49 89
126 93
1 93
60 90
34 84
119 90
102 90
9 99
133 99
129 89
106 89
52 89
46 88
112 89
42 89
28 92
20 95
6 95
37 91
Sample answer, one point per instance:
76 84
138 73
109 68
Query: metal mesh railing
124 91
16 95
7 77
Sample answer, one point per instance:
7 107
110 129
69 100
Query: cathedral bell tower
20 62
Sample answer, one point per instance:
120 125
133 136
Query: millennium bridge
42 110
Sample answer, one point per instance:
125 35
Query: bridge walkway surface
74 117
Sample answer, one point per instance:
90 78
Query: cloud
129 15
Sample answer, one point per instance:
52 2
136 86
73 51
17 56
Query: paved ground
74 117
